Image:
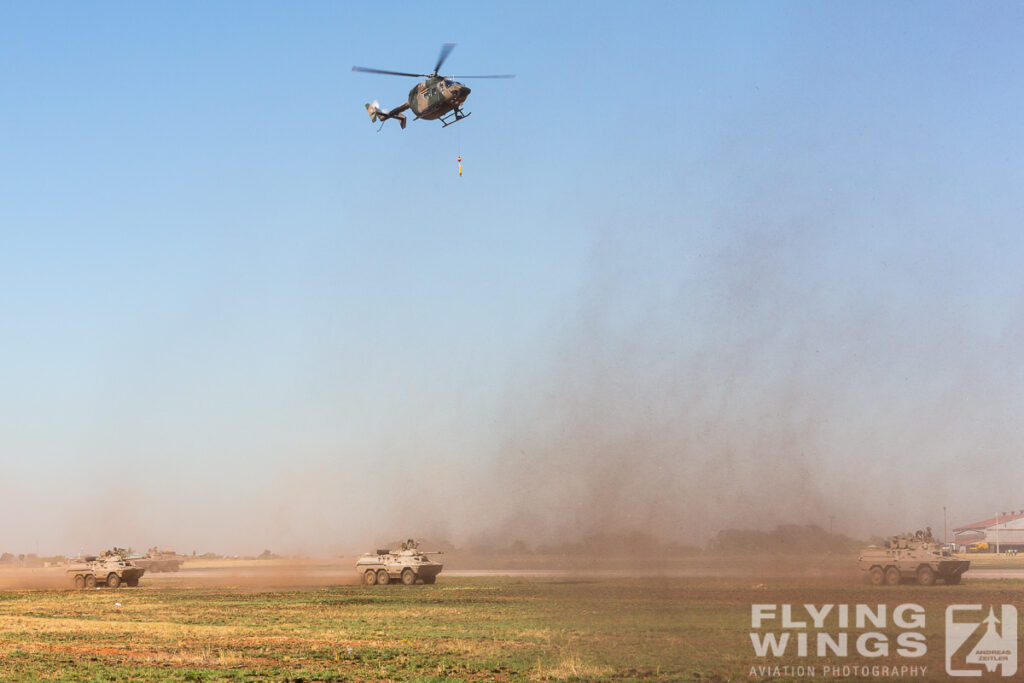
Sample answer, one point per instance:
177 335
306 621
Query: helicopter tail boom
378 114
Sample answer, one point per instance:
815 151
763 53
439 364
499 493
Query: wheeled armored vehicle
408 565
919 557
156 560
109 569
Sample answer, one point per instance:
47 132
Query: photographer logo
977 642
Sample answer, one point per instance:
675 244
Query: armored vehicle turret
109 569
408 565
918 556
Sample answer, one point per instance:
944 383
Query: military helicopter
437 98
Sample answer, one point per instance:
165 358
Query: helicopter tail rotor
382 115
373 110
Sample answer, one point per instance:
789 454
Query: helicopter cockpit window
448 84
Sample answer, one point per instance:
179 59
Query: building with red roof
1005 530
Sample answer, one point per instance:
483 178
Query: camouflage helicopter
438 97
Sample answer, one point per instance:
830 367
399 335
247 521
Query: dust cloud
33 579
703 378
759 383
241 575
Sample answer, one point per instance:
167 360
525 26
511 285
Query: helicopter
437 98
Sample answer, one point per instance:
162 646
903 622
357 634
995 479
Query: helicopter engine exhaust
378 114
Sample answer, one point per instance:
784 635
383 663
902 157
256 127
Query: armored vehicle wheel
892 576
926 576
90 581
429 579
877 576
79 582
383 578
953 579
408 577
370 577
132 583
113 580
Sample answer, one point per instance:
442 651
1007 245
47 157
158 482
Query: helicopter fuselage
437 96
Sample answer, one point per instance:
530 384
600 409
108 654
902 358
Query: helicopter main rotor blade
389 73
491 76
446 49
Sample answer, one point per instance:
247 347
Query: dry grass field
314 626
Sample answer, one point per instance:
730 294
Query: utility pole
997 532
945 527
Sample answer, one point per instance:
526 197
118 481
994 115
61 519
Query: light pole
998 514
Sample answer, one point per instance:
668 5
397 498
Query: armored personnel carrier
156 560
917 556
109 569
408 565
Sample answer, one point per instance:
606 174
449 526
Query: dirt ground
283 573
341 571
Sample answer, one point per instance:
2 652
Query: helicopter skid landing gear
454 116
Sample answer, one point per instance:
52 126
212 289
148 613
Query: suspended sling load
408 565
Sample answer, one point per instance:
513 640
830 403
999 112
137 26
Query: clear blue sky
740 255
